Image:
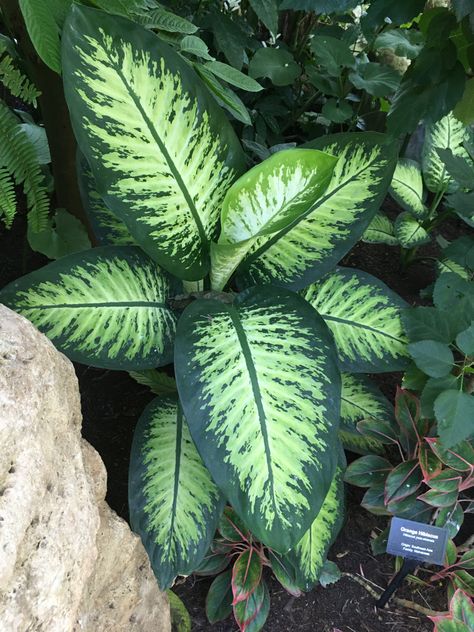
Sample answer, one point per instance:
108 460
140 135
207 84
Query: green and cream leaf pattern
174 504
106 307
261 392
265 200
361 399
410 233
316 241
363 315
380 231
447 133
161 151
446 265
109 229
309 555
407 187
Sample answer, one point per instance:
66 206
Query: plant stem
407 256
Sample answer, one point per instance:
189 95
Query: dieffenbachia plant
444 179
260 374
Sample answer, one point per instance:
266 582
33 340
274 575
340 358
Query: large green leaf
219 598
406 187
454 411
107 227
161 151
265 200
277 64
333 54
319 6
314 242
377 79
267 11
105 307
447 133
361 399
409 232
364 316
174 504
261 392
380 231
43 31
309 555
403 42
432 357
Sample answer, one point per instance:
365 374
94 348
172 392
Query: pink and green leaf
231 527
219 598
430 464
447 481
403 481
439 499
460 457
252 613
246 575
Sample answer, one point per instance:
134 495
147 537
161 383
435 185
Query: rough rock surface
68 563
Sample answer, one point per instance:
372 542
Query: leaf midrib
177 468
354 323
366 412
241 335
102 304
297 198
164 151
407 186
268 244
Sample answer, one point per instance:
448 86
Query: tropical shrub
442 347
432 483
242 589
460 617
322 65
430 476
430 192
258 373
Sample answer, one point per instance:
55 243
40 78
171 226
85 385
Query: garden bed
112 403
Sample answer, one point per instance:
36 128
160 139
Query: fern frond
19 158
7 197
15 81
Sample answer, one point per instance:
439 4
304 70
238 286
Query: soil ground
112 403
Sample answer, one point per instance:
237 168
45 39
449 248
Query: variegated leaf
109 229
410 233
157 381
363 315
361 399
314 242
407 187
161 151
309 555
174 504
105 307
447 133
380 231
266 200
261 392
446 265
